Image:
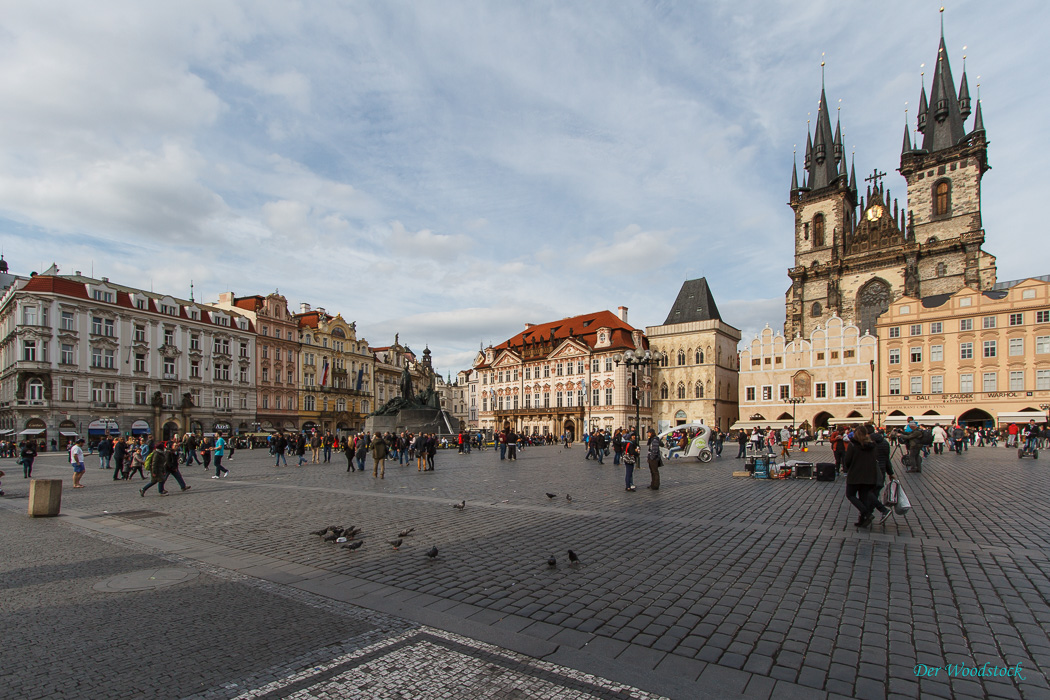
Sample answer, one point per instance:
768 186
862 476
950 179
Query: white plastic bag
903 504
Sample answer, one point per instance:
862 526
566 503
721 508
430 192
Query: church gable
877 229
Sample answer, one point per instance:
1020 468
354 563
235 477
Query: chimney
77 273
529 325
621 311
320 310
226 298
303 307
105 279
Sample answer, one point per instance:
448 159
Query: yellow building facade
982 357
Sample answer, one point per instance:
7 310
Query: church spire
906 148
943 116
823 167
794 177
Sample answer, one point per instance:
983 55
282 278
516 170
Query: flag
324 374
360 378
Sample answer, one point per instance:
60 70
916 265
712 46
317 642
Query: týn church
858 251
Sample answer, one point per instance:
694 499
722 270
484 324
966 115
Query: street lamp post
871 390
794 401
635 359
1046 409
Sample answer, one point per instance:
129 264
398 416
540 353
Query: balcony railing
30 402
103 404
171 375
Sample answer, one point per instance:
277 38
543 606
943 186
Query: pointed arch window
699 357
681 390
815 310
942 198
663 391
698 390
681 357
818 231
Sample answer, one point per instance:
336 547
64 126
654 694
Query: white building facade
87 357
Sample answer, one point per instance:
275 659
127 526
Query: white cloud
424 244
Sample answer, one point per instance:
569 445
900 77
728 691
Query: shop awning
855 420
32 431
66 433
1021 416
749 424
6 431
921 420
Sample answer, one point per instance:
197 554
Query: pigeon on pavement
551 495
406 533
433 552
331 537
460 506
573 558
568 498
353 545
552 562
395 544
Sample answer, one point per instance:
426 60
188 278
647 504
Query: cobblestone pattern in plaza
738 582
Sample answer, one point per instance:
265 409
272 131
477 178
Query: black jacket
860 463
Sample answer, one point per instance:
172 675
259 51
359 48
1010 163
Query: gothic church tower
855 255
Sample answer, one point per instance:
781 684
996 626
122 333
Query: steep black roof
694 303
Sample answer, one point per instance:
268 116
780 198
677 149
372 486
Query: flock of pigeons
347 536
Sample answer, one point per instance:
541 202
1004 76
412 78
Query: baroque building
336 370
84 356
854 254
562 377
697 379
277 349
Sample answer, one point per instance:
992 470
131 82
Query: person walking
654 459
119 451
220 452
512 444
940 436
958 438
135 463
348 452
861 475
630 458
76 458
28 455
315 448
157 466
300 449
172 455
379 453
882 461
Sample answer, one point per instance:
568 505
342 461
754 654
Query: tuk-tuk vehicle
696 446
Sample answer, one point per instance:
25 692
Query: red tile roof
583 328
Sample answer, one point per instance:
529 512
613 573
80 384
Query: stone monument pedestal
415 421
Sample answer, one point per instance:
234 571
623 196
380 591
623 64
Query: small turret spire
853 173
924 106
978 120
794 174
964 93
906 148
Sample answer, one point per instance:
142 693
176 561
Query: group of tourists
403 447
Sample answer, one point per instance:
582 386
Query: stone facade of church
858 252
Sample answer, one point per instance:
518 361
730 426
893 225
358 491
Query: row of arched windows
697 357
698 390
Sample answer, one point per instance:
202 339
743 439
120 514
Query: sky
452 170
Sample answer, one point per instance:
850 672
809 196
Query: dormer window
102 295
169 310
222 320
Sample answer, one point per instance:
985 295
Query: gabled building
561 377
697 379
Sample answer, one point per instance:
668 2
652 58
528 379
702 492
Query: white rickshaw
698 446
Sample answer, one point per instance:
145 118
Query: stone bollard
45 497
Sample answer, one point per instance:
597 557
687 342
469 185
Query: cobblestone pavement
710 585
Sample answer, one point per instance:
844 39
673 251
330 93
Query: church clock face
874 212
